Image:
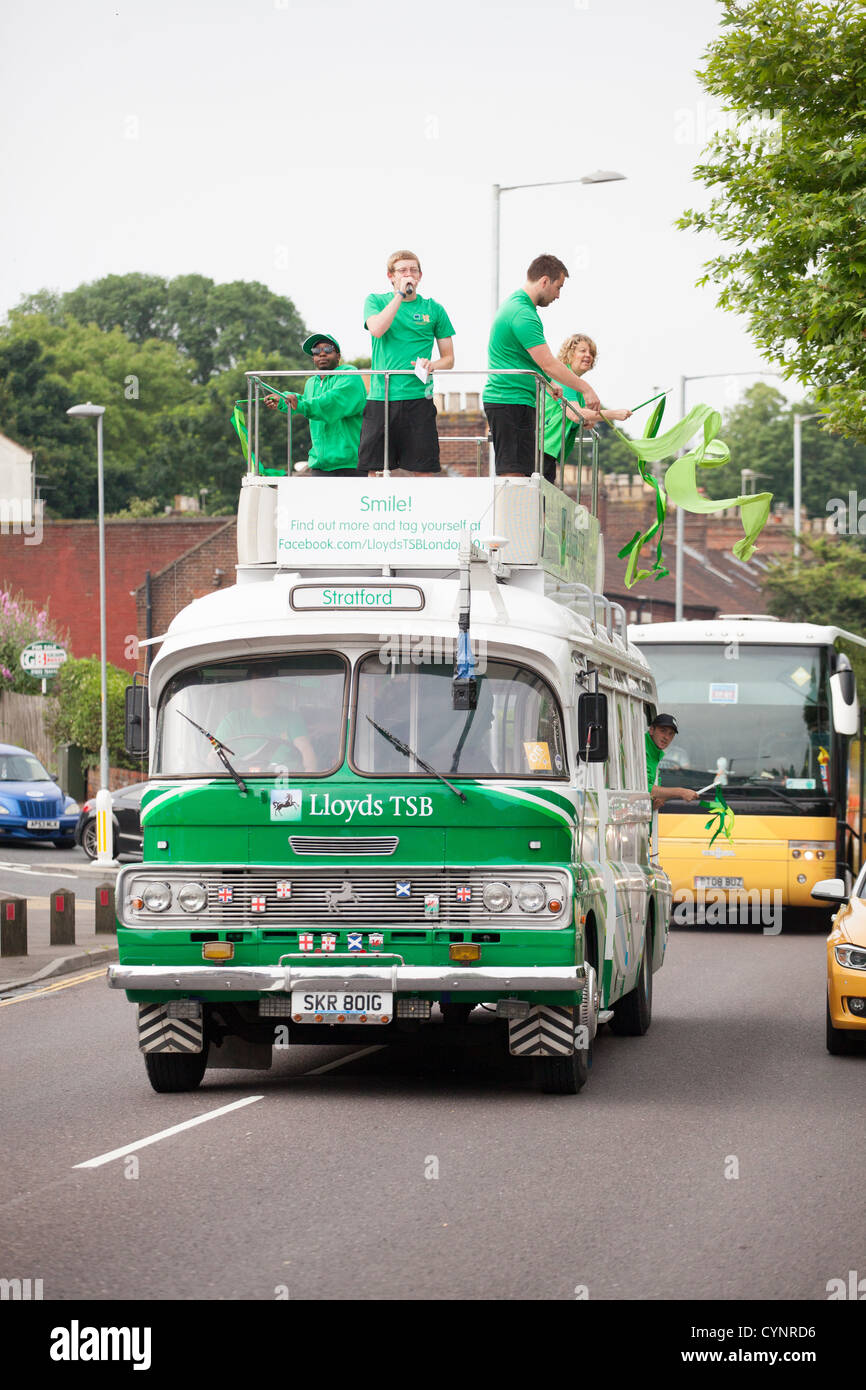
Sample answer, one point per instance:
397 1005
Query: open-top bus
768 713
399 765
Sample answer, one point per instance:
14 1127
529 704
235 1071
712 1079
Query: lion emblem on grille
337 897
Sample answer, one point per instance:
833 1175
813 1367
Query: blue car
32 806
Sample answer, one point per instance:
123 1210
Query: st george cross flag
258 905
306 941
284 888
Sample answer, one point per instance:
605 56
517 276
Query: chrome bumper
281 979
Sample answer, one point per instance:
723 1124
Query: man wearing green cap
334 405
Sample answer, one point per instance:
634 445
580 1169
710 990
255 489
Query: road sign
43 658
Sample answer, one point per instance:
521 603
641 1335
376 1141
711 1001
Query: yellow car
846 964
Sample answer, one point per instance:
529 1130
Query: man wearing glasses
333 404
404 327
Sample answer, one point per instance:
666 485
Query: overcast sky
298 142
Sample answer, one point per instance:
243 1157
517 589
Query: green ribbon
681 485
720 810
239 422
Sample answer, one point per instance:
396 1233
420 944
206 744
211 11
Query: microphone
408 287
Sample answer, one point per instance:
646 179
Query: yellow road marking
51 989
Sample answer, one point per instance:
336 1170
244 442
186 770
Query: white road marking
165 1133
40 873
329 1066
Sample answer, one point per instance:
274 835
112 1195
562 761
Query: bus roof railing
258 385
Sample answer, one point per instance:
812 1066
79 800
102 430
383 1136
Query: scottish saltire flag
356 941
404 888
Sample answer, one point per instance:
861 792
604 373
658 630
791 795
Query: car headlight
71 808
852 957
4 810
496 897
192 897
156 896
531 897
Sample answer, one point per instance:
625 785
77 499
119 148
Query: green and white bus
345 837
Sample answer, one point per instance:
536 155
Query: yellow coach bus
768 714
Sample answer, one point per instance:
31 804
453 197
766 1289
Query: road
712 1158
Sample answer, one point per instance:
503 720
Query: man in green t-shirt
333 404
659 736
404 327
517 341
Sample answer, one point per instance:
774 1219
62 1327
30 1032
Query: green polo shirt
553 423
516 328
654 755
417 325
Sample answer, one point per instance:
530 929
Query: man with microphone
404 327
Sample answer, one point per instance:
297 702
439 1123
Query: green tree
827 586
23 622
760 432
77 717
789 198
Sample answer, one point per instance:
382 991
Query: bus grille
348 844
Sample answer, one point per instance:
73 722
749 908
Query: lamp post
600 176
104 827
798 420
681 518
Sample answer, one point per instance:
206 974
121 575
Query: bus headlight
811 849
531 897
193 897
496 897
156 896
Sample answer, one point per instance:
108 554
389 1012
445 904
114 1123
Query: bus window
515 729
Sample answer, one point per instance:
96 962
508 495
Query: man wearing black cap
333 404
659 736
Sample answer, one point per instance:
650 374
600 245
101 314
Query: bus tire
632 1014
839 1040
563 1076
175 1071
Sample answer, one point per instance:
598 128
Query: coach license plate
342 1006
43 825
714 881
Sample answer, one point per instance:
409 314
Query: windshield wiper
221 749
410 753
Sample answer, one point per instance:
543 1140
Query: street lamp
600 176
104 827
798 420
681 516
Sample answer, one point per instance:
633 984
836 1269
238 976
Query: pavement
44 961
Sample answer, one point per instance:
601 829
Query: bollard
62 918
13 926
105 919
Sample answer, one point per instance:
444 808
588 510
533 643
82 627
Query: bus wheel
563 1076
175 1071
839 1040
632 1014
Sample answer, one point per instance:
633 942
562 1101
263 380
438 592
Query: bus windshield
515 729
751 716
274 716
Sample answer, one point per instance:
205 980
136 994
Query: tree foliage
788 191
77 716
827 586
760 433
167 359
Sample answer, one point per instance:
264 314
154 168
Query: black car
126 814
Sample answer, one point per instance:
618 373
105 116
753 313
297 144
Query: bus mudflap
160 1029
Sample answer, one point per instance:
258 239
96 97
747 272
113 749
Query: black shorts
551 468
512 428
412 439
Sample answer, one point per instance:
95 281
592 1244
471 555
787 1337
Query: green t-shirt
417 324
654 755
553 423
516 328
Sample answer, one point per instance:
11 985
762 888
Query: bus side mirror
136 721
592 728
843 693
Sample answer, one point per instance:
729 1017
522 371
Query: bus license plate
43 825
342 1006
713 881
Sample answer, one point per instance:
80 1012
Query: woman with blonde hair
579 354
